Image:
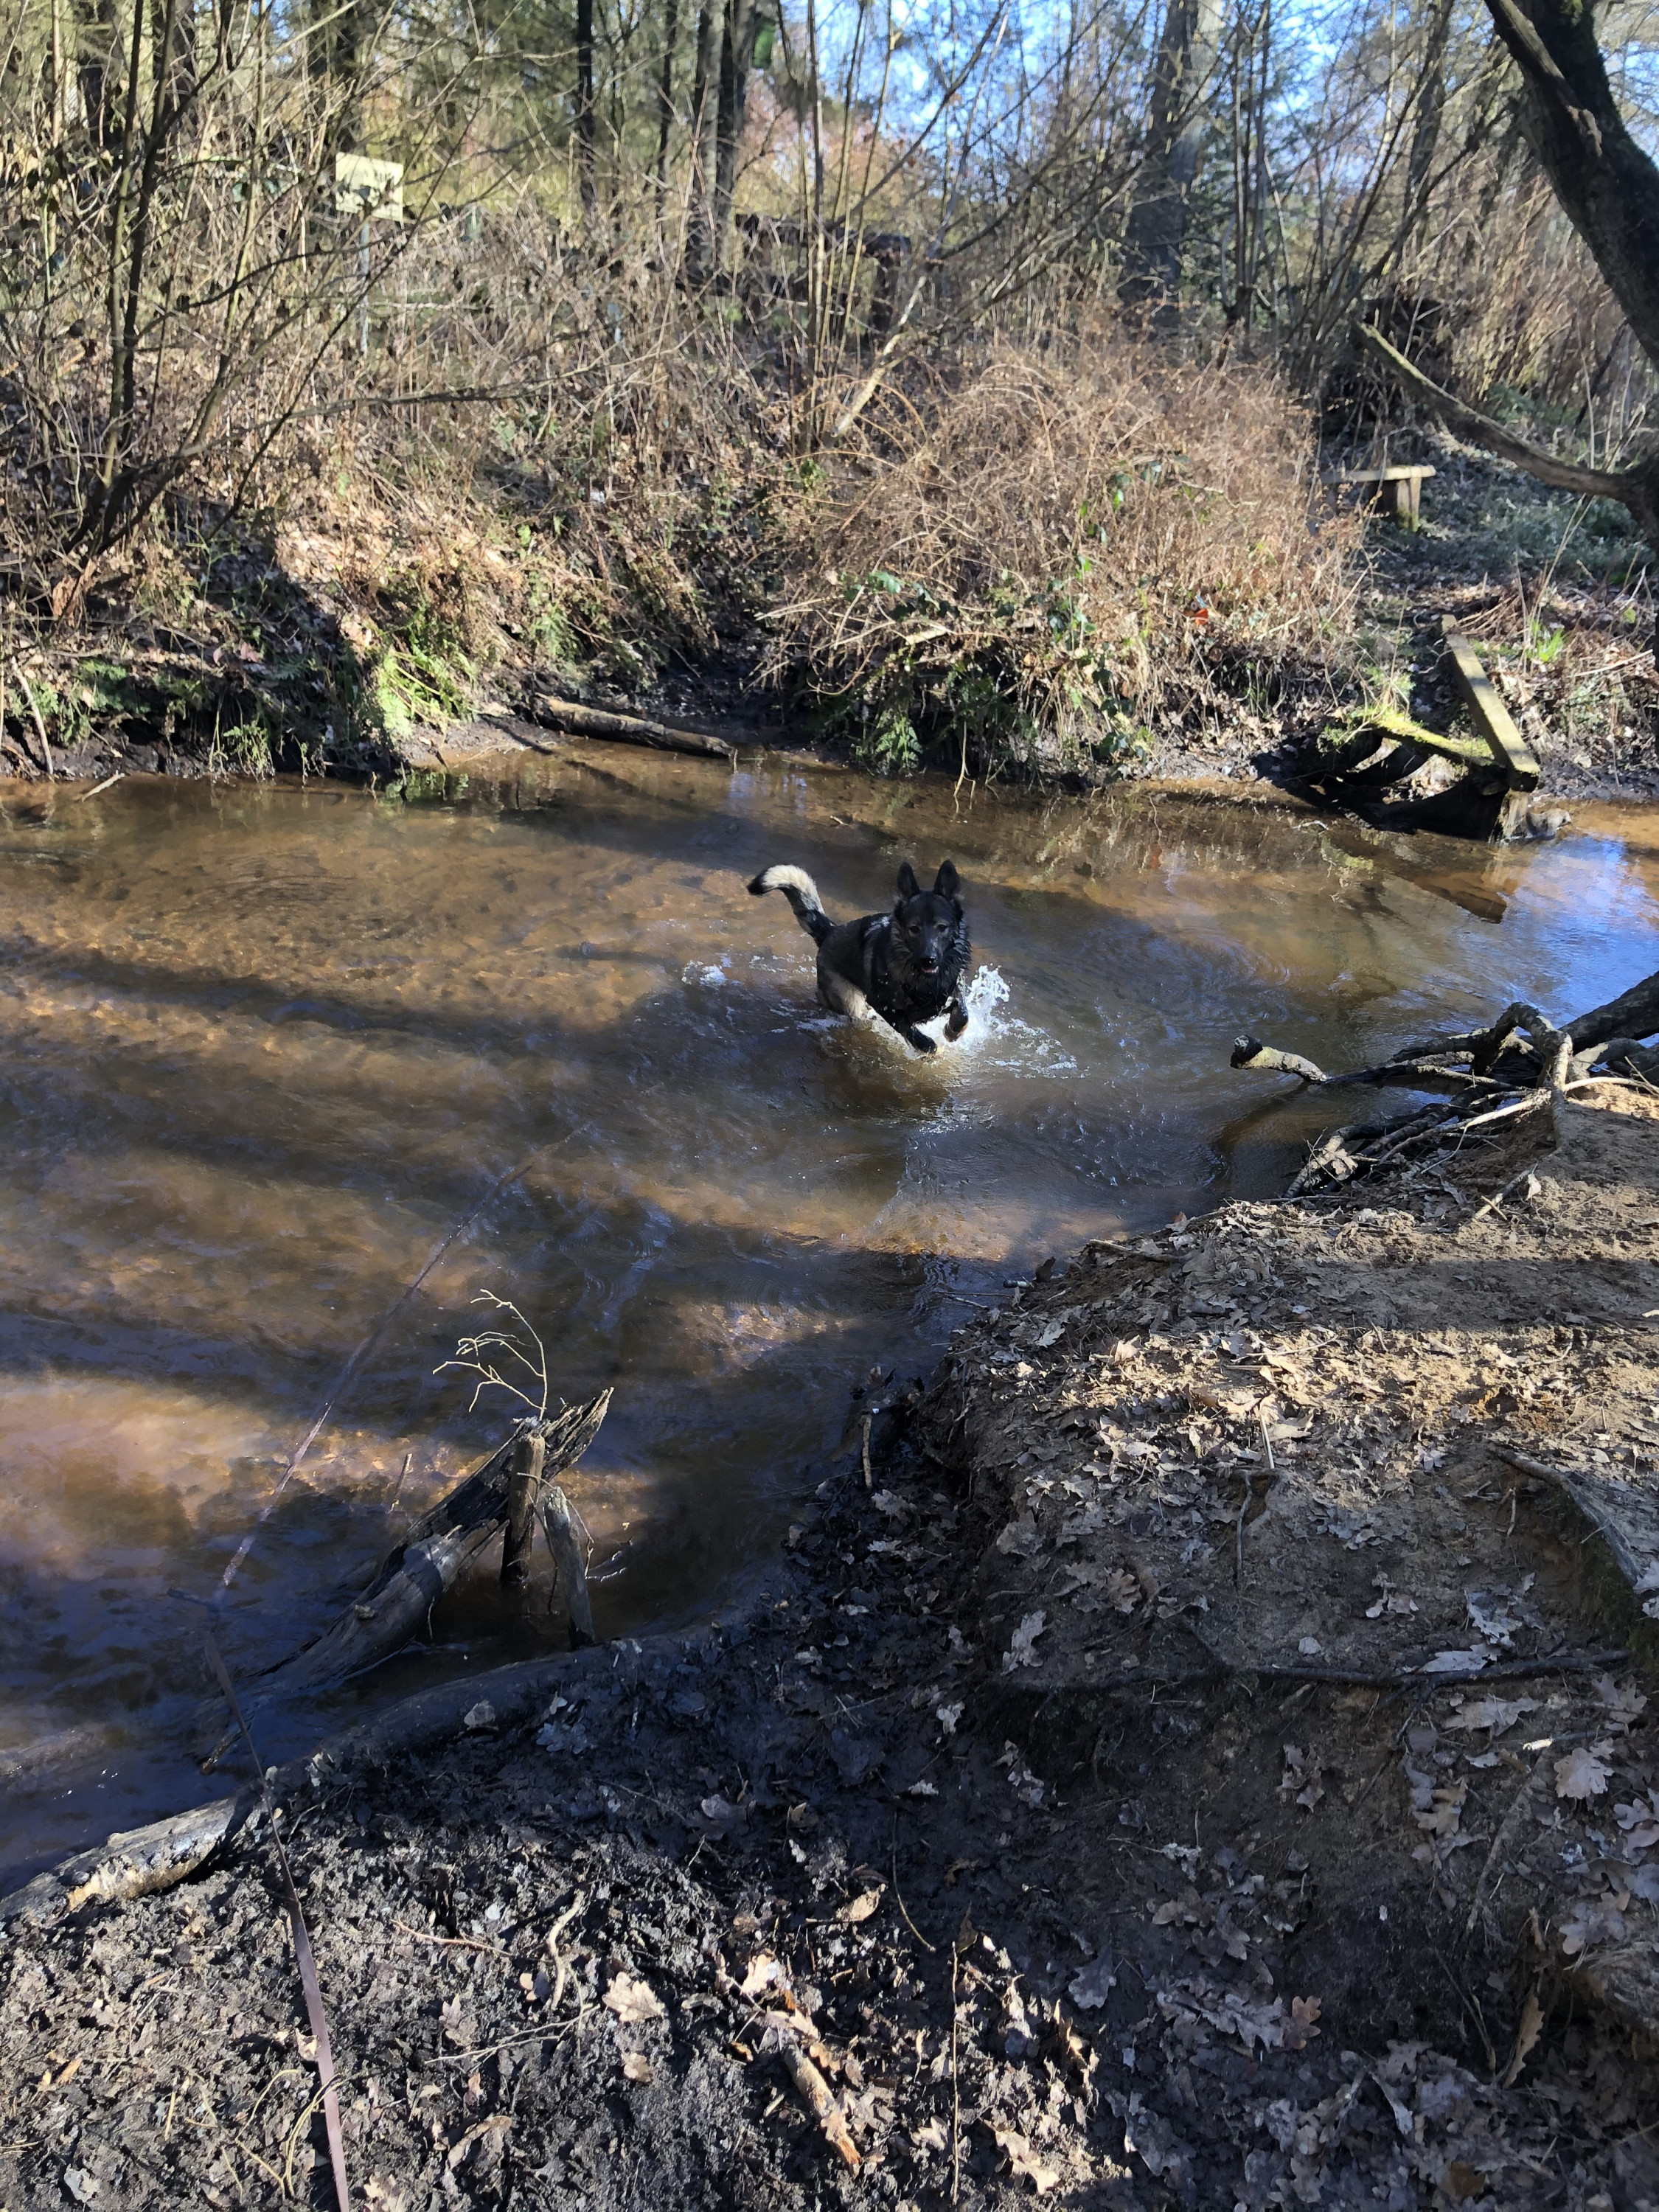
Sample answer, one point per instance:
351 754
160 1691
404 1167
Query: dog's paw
919 1039
956 1025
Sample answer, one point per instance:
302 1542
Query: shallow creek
264 1048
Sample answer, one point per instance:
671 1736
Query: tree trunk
1607 185
1156 231
700 228
665 101
587 119
737 50
1431 113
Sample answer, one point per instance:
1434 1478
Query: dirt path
1083 1795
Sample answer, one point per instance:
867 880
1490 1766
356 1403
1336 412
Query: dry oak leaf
632 2000
1025 2161
1580 1774
1301 2026
637 2067
1021 1651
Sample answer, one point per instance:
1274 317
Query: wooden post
571 1574
521 1495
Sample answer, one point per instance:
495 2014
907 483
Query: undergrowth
1048 567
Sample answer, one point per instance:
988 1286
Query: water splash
1003 1041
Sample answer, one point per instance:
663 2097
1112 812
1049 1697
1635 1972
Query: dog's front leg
918 1040
958 1018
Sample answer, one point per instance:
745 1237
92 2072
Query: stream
265 1047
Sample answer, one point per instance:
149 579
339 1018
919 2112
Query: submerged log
412 1578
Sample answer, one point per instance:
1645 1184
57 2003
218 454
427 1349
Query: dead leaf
1023 2160
1580 1774
930 2137
497 2124
1121 1590
1444 1814
1021 1651
1300 2028
1587 1924
637 2067
763 1971
1464 2180
632 2000
1494 1713
1020 1539
861 1907
724 1816
1624 1701
1531 2027
1088 1987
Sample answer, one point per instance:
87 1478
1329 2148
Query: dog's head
925 922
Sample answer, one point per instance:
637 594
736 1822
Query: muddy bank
1199 1768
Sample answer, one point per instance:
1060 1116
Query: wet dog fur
907 966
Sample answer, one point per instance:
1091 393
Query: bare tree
1609 190
1157 229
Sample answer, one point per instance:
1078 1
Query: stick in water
570 1572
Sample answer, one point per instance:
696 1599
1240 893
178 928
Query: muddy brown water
264 1047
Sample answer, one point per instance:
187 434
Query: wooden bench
1405 479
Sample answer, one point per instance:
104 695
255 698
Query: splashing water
1003 1041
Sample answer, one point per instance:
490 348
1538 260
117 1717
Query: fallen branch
816 2096
625 729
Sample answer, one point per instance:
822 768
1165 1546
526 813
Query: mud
1020 1795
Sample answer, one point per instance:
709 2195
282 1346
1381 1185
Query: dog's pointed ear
908 887
947 883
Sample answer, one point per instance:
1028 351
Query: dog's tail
802 894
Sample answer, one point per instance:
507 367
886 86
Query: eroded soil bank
1093 1794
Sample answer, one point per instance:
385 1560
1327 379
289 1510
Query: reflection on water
263 1049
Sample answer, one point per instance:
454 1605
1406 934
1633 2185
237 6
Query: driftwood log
581 722
415 1575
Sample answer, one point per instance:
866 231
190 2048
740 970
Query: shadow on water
262 1049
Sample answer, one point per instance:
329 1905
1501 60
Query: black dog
906 966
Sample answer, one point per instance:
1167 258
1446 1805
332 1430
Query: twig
815 2094
868 1482
96 788
899 1900
1498 1196
451 1942
502 1183
312 1988
955 2086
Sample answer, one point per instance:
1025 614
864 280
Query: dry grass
1062 556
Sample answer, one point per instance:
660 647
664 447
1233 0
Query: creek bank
1082 1794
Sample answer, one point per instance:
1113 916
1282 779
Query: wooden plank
1492 717
1396 473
